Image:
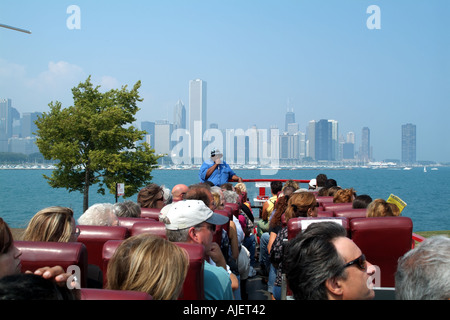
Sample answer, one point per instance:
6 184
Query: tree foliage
94 142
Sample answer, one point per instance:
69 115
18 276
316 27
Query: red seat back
330 206
104 294
383 240
109 248
128 222
36 254
324 199
295 225
234 208
149 226
193 287
325 214
350 213
152 213
226 213
94 237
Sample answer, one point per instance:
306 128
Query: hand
218 161
56 274
216 255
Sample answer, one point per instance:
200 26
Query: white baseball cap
188 213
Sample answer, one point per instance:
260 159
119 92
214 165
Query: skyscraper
364 153
197 118
290 118
409 143
179 116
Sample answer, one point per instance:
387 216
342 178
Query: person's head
52 224
127 208
323 264
217 194
379 208
423 273
149 264
192 221
100 214
179 191
9 254
230 196
301 204
321 179
200 192
151 196
33 287
216 154
361 201
332 190
275 187
330 183
344 196
240 188
395 209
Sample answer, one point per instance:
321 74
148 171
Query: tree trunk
86 191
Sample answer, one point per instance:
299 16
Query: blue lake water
25 192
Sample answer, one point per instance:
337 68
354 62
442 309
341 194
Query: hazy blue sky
254 55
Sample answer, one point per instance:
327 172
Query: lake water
25 192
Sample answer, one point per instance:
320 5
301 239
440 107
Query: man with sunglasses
192 221
323 264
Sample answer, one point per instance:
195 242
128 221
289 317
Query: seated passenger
379 208
178 192
302 204
192 221
151 196
361 201
423 273
340 269
52 224
127 209
99 214
344 196
149 264
10 259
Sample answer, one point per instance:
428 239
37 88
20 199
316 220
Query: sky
322 58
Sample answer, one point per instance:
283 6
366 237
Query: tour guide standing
217 171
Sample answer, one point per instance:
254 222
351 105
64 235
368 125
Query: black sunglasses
360 262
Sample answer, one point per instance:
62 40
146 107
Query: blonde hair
150 264
379 208
52 224
344 196
299 204
240 188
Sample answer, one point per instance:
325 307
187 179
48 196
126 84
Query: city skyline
324 59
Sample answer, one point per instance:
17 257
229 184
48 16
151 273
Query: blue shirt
220 176
217 283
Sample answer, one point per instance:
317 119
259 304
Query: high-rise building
409 143
290 118
311 140
197 118
149 128
6 122
179 115
364 153
28 125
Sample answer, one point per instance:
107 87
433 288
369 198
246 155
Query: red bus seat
104 294
36 254
325 214
330 206
234 208
193 287
128 222
350 213
152 213
149 226
295 225
383 240
94 237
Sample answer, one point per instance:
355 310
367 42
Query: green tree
94 142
